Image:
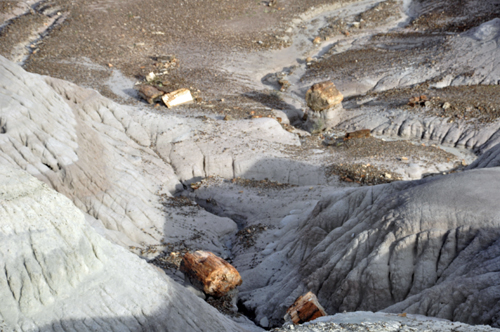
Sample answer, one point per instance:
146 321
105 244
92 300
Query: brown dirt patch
19 31
479 103
364 174
455 15
388 52
128 33
367 160
373 17
6 6
377 149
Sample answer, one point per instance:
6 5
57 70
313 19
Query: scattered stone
284 85
446 105
177 97
362 175
228 117
168 61
150 77
195 185
309 60
150 93
210 273
317 40
305 309
323 95
247 236
363 133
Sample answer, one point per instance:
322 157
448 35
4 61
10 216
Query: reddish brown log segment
210 273
363 133
305 309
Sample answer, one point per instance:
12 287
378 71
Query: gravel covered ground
381 322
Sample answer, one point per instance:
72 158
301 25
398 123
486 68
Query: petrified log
322 96
363 133
150 93
305 308
177 97
210 273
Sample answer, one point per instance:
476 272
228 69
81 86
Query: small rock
195 185
323 95
309 60
281 117
212 274
304 309
150 77
264 322
413 101
363 133
228 117
388 176
284 85
177 97
150 93
446 105
317 40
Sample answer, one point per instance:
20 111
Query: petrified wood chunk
177 97
305 309
150 93
210 273
363 133
323 95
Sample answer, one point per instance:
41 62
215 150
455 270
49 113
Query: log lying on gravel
150 93
210 273
177 97
305 309
363 133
